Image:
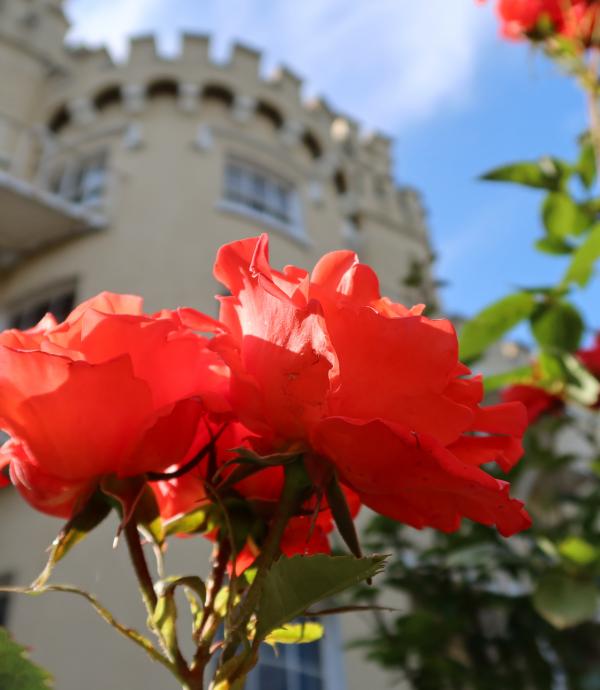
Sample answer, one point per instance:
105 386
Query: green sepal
342 516
198 521
75 530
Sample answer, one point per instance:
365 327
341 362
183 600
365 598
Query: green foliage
17 672
557 325
493 322
563 217
564 600
586 165
547 173
582 264
296 633
294 584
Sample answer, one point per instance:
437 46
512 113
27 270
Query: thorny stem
140 566
209 621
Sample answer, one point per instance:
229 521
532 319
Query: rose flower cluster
540 402
535 19
313 365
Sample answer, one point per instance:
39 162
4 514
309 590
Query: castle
128 177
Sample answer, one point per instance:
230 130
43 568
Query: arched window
340 182
312 144
220 94
161 88
270 113
111 95
60 119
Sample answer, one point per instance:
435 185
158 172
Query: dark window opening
339 180
270 113
314 148
59 120
107 97
6 580
218 93
59 304
162 88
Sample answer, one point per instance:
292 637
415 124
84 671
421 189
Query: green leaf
74 531
296 633
557 326
565 601
493 322
17 672
547 173
578 551
520 375
562 216
581 268
586 165
293 584
554 245
198 521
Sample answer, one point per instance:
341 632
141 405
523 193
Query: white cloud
110 22
390 63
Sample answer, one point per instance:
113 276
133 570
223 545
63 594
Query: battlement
193 70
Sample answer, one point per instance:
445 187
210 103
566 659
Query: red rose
323 363
574 18
519 17
537 401
186 493
108 391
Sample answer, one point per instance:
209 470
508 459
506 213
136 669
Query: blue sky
434 75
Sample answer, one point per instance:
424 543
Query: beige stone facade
127 177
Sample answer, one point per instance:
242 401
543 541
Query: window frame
331 671
277 206
14 314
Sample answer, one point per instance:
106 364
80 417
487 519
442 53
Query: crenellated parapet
90 88
340 151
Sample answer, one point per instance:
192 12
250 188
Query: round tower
31 52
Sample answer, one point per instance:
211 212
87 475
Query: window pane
62 305
233 182
310 682
271 678
310 656
258 192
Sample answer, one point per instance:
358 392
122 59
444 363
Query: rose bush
576 19
321 364
110 391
